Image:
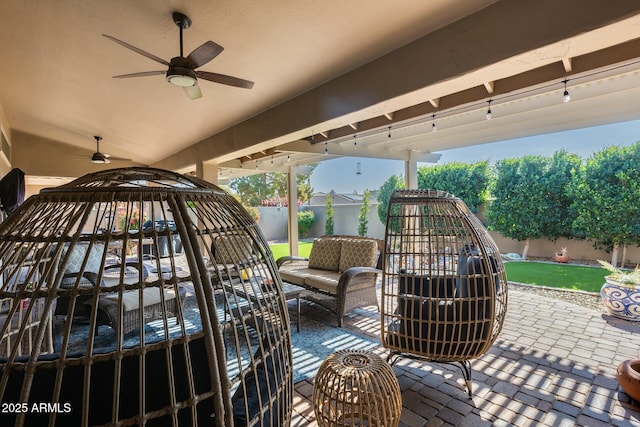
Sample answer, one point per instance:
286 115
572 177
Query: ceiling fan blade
193 92
204 53
224 79
138 50
141 74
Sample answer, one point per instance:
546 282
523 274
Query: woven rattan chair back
444 289
164 336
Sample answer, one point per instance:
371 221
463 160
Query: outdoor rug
315 341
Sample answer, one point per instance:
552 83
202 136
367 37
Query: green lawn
556 275
566 276
282 249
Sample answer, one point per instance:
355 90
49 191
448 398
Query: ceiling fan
182 71
99 157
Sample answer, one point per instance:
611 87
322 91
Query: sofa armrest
291 260
349 274
352 282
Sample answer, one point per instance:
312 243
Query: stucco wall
577 249
273 221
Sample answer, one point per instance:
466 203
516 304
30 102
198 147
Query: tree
305 222
328 224
363 222
607 199
254 189
384 195
468 182
531 198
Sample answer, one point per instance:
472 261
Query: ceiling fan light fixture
181 76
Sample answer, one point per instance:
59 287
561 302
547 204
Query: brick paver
554 364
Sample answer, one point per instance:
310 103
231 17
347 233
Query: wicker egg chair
444 287
120 304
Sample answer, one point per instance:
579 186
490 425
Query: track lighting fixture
326 149
433 123
355 141
389 135
565 96
488 116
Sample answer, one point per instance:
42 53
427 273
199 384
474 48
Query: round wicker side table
356 388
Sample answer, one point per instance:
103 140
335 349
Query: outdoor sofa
341 272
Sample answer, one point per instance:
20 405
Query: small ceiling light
271 160
355 141
389 135
433 123
288 157
488 116
565 96
256 164
326 149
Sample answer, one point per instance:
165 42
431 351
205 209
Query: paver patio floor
553 364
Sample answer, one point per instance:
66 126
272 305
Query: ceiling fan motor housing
99 158
180 74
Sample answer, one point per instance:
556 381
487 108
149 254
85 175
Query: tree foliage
363 222
607 197
254 189
384 195
469 182
328 224
531 199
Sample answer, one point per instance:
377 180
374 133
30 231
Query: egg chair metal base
463 365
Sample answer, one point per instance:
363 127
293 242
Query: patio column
207 171
292 191
411 172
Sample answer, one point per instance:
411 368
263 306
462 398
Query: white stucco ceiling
57 73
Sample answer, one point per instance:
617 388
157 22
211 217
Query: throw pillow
325 254
232 249
358 253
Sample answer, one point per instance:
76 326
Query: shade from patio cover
103 321
444 287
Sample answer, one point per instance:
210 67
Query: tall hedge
607 198
531 197
467 181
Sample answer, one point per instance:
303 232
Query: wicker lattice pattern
444 292
356 388
114 311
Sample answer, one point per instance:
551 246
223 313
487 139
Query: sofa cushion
296 276
150 296
358 253
325 281
325 254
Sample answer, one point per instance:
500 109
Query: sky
340 175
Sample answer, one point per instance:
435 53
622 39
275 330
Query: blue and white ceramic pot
621 300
